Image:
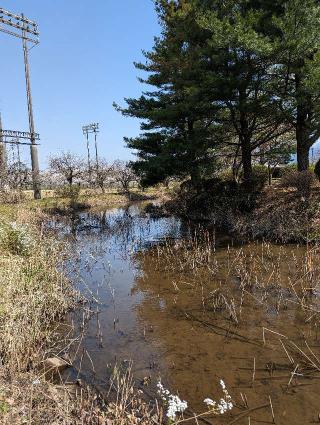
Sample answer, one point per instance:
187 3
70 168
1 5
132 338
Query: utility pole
86 130
96 147
3 156
89 160
33 146
12 24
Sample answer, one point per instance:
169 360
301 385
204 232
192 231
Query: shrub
226 175
281 170
277 173
317 169
16 239
260 177
302 181
12 196
69 191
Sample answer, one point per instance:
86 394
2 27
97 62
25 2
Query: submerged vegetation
260 302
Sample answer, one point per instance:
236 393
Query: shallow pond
195 312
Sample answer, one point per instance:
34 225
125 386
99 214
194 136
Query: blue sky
84 62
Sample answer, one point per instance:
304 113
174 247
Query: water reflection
161 320
105 270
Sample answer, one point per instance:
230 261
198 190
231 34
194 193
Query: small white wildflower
209 402
174 403
223 405
36 382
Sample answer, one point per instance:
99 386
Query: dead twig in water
286 351
272 411
228 332
244 414
254 371
292 376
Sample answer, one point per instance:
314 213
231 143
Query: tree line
70 169
229 83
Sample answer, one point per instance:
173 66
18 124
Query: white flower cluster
174 403
16 238
223 405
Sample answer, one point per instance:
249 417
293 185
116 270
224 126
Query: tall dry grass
272 275
34 292
34 298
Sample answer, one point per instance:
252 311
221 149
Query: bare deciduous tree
123 174
68 166
103 174
18 175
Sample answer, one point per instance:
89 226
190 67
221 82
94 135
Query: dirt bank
275 214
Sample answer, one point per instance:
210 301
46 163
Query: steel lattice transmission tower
27 30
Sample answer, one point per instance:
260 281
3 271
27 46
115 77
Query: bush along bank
287 211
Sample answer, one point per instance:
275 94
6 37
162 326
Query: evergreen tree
298 38
181 127
227 78
244 56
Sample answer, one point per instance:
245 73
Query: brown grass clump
188 255
269 274
12 196
34 297
301 181
26 399
34 293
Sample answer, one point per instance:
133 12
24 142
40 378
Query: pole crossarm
19 18
2 29
15 142
19 134
11 21
90 128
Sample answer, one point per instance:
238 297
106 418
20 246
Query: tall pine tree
298 37
244 58
179 120
226 77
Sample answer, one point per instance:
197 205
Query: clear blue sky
84 62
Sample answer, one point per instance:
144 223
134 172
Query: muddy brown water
193 327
